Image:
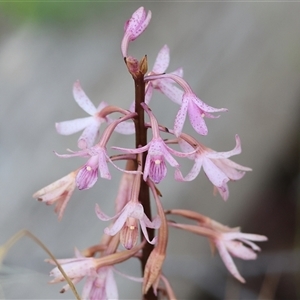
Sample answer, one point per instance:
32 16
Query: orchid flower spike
98 157
134 27
158 152
191 105
58 193
216 165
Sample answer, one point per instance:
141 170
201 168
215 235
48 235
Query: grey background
242 56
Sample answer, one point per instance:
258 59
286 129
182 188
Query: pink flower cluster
147 165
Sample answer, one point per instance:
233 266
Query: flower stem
144 195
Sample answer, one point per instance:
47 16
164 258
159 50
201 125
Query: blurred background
242 56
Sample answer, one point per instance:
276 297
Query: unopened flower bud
143 65
153 269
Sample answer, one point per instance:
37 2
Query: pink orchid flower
132 212
58 192
216 165
76 269
164 85
102 286
88 174
98 273
134 27
232 243
89 125
191 105
158 152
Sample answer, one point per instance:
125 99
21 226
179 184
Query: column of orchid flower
145 168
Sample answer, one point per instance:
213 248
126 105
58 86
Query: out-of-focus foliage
54 12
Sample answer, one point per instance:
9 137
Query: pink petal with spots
136 25
170 90
215 175
125 128
236 150
89 135
180 117
102 163
203 106
192 174
162 60
186 147
223 190
82 100
196 119
72 126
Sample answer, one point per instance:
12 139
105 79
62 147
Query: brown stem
144 195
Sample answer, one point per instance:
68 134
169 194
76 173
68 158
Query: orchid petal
247 236
155 224
196 119
169 158
180 154
162 60
236 150
223 190
103 167
132 151
215 175
82 100
102 216
145 232
227 163
228 261
147 167
178 72
81 153
125 128
120 221
110 285
88 136
180 117
170 90
230 172
120 169
53 190
194 171
73 126
237 249
148 93
185 147
101 106
86 177
203 106
87 288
